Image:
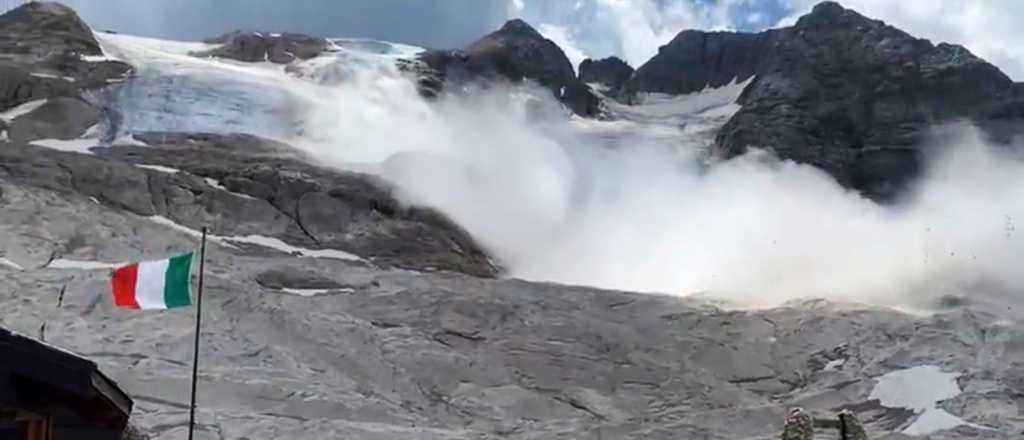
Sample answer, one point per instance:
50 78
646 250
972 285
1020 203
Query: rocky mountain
48 52
336 309
516 52
611 73
848 94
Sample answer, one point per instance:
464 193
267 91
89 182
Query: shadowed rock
44 50
612 73
272 190
515 53
848 94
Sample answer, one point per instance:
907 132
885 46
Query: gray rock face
516 52
610 72
845 93
696 59
257 46
285 197
43 46
36 28
59 118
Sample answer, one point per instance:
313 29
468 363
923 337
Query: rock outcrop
837 90
242 185
49 53
58 118
255 47
40 28
610 73
515 53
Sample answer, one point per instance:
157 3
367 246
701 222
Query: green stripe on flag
178 281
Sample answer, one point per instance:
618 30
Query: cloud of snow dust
631 204
628 210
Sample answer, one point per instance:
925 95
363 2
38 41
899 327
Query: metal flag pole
195 354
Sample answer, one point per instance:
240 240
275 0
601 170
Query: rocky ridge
515 53
49 52
609 73
837 90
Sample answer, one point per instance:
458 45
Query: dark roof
74 380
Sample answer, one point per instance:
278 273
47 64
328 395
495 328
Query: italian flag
149 285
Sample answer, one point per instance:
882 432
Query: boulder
848 94
255 47
287 277
610 73
515 53
43 46
59 118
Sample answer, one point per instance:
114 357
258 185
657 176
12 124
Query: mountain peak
827 8
517 26
52 24
830 13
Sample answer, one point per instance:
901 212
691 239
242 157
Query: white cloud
630 29
565 41
990 28
634 211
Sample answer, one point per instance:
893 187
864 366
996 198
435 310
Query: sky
630 29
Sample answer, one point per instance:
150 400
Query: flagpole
195 354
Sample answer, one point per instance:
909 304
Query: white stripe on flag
149 289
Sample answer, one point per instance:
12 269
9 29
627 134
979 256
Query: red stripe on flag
123 282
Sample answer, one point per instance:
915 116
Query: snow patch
917 388
93 132
129 139
7 262
287 248
714 101
72 146
52 76
61 263
933 420
306 292
96 58
259 240
216 184
835 365
171 224
160 168
22 109
920 389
